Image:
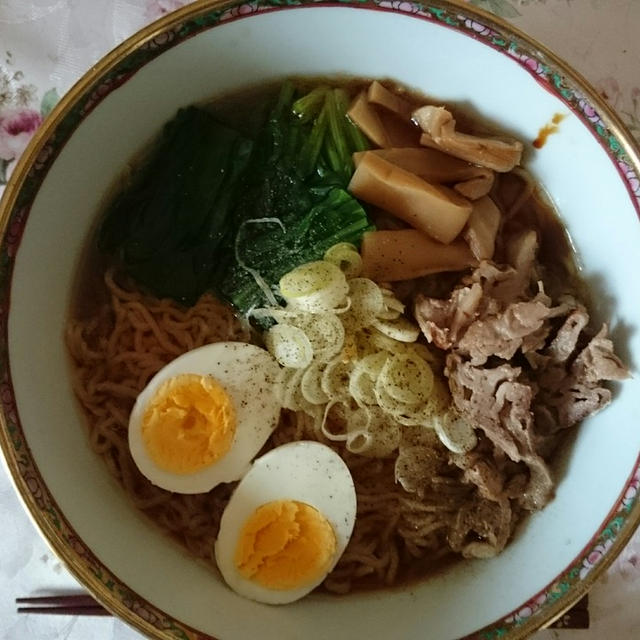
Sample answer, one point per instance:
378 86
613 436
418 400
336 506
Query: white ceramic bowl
590 169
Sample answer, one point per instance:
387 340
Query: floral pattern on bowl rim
500 37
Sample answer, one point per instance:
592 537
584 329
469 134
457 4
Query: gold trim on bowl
17 180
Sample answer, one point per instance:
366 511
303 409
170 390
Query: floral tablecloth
45 45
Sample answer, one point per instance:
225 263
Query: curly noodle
118 349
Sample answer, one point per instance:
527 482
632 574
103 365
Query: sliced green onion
374 363
422 351
377 437
365 374
335 379
455 433
421 417
346 257
330 435
316 287
407 380
389 404
281 383
289 381
379 340
425 413
362 387
393 308
362 359
366 303
325 332
311 384
289 345
279 314
359 441
389 314
400 329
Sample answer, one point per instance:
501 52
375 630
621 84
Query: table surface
45 45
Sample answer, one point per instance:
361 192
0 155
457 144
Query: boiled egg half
287 523
203 417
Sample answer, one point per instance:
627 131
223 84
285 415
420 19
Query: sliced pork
521 368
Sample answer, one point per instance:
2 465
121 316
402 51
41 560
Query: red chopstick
62 605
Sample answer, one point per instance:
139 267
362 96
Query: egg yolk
284 545
189 423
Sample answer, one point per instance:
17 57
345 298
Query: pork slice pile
521 368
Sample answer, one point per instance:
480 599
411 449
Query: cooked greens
166 226
214 210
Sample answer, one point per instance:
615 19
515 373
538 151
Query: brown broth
246 110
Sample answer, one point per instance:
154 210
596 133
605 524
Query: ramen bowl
589 169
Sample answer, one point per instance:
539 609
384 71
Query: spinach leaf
166 227
213 210
293 204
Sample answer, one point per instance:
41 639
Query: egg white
248 374
304 471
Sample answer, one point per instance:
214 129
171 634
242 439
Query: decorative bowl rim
557 77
